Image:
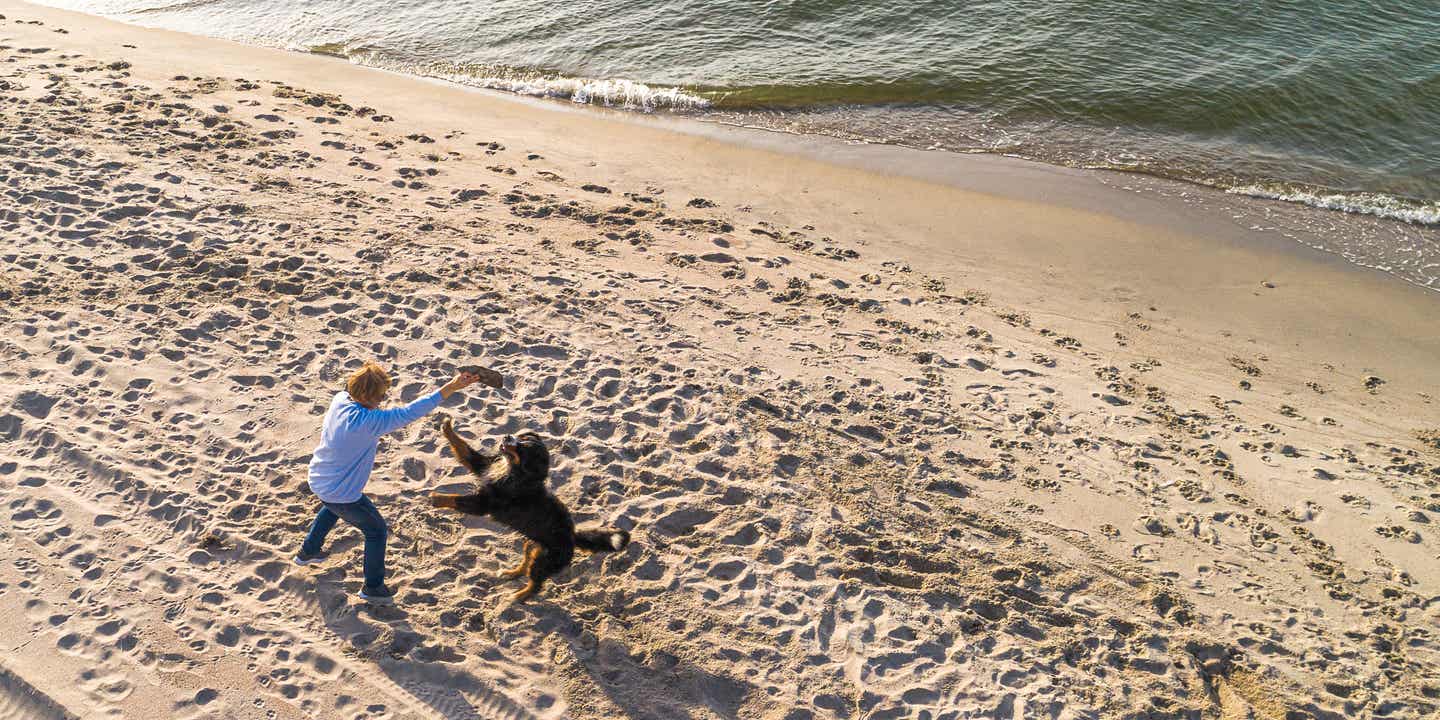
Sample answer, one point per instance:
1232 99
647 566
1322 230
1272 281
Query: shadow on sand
421 673
641 683
603 675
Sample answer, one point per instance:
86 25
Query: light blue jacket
341 464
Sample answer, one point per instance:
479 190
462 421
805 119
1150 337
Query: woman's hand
461 381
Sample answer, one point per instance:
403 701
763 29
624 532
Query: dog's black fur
519 500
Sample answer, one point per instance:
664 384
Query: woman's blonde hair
368 384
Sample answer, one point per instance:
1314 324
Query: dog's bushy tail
601 539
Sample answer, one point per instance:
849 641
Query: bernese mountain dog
513 493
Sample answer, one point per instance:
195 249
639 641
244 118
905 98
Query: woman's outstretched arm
382 422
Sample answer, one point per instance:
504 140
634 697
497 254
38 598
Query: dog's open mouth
511 449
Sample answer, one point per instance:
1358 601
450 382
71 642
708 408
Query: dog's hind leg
530 589
547 562
531 549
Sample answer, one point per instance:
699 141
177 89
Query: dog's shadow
644 684
664 688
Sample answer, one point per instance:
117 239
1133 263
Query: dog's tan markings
530 589
531 550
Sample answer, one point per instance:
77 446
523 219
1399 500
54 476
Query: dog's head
529 460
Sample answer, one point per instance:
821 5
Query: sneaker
379 596
303 559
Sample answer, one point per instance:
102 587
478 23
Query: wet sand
893 440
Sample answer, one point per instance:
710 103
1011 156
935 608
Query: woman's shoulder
344 408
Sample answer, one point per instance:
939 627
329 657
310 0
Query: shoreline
985 437
623 93
988 173
1009 175
1399 207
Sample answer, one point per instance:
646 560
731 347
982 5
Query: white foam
1378 205
612 92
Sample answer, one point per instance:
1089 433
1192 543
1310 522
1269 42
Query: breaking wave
606 92
1383 206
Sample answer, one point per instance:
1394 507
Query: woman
341 466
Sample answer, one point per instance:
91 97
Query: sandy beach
895 437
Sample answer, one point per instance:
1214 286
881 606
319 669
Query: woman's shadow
420 672
643 685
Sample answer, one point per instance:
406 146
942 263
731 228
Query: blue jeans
362 514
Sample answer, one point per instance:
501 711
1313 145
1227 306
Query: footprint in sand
1398 532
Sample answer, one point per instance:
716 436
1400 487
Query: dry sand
889 447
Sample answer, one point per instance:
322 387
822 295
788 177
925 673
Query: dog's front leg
477 503
463 452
